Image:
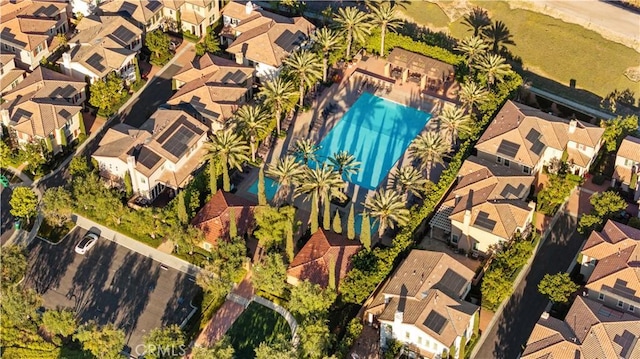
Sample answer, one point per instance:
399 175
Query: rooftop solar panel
124 35
178 143
508 148
533 135
627 341
153 5
483 221
537 147
95 61
128 7
148 158
288 40
435 322
64 113
509 191
453 281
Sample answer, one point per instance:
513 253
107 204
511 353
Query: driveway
509 334
6 219
110 284
155 94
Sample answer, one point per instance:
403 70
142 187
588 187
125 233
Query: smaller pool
358 224
270 188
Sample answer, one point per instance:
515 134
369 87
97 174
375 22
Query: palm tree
408 179
498 36
321 185
472 94
253 121
384 15
305 68
231 149
281 96
473 47
493 67
286 172
477 20
345 163
388 208
454 120
326 39
305 150
429 148
354 24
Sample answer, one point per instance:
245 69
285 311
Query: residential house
146 14
211 89
627 166
527 139
101 45
213 219
486 207
323 252
45 106
421 305
262 39
163 153
590 330
196 16
610 264
10 76
28 29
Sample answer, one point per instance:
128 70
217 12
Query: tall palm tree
280 96
305 68
305 150
231 150
408 179
472 94
498 35
429 148
354 24
253 121
326 39
321 185
494 68
477 20
473 47
345 163
454 120
384 15
388 208
286 171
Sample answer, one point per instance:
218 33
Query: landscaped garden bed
52 233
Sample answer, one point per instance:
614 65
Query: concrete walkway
571 104
136 246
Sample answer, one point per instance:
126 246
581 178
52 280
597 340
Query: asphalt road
6 219
524 307
155 94
110 284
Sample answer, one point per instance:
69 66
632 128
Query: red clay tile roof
312 262
213 218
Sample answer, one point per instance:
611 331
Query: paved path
512 328
571 104
612 22
139 247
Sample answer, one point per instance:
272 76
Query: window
581 147
632 308
142 180
38 49
600 296
475 245
454 239
593 262
526 170
419 340
499 159
506 162
620 304
407 335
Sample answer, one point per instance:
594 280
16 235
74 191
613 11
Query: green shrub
634 222
598 179
405 42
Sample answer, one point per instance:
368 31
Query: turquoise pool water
270 188
358 224
377 132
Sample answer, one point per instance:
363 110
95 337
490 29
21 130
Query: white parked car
88 241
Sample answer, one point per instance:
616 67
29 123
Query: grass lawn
54 234
553 51
255 325
426 13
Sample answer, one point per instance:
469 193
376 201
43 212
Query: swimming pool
270 187
377 132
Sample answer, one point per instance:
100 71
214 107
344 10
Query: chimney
573 124
66 60
4 114
457 199
398 317
248 7
545 315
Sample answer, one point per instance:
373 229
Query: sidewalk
132 244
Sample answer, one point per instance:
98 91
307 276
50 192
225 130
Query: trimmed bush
598 179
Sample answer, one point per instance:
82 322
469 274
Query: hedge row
405 42
360 282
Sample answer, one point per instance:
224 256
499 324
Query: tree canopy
222 349
270 274
59 322
310 300
14 265
605 206
616 129
557 287
164 343
24 203
104 343
272 224
56 206
107 94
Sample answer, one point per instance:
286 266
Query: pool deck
313 125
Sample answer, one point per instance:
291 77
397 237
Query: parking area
110 284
